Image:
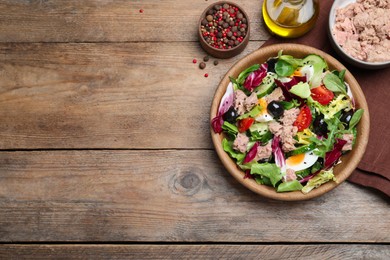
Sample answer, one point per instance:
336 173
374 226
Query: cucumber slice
313 59
302 149
303 173
261 128
267 85
319 65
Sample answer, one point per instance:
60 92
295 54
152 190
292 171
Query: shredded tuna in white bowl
359 31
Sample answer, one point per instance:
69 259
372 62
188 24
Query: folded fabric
371 180
374 169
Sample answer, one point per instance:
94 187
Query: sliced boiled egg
301 161
263 116
307 71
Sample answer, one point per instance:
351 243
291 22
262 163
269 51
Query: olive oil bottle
290 18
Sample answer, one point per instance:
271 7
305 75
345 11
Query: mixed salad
287 122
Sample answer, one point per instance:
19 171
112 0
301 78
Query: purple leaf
217 123
256 77
252 153
226 100
278 154
248 175
333 156
226 103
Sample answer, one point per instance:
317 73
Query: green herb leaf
233 80
230 128
263 180
342 75
244 74
288 105
333 83
283 68
254 112
294 62
262 138
356 118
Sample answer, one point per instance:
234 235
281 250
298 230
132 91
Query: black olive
230 115
275 109
346 117
320 127
271 64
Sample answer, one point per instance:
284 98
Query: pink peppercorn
194 61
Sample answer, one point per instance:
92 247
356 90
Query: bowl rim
203 15
354 156
331 21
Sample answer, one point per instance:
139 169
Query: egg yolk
295 159
263 105
297 73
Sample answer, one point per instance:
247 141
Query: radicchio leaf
333 156
252 153
307 178
226 100
217 123
248 175
226 103
255 78
278 154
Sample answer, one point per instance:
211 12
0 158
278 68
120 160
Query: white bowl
356 62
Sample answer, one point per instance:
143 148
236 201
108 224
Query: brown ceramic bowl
349 161
223 53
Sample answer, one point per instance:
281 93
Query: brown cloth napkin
374 169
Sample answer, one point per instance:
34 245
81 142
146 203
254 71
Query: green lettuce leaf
228 147
289 186
318 180
269 170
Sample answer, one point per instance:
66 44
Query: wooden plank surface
110 21
118 95
330 251
167 195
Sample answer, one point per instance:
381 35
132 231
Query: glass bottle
290 18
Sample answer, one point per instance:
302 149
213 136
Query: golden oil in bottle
290 18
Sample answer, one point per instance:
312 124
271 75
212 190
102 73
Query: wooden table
106 149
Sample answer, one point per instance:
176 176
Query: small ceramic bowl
223 53
356 62
349 161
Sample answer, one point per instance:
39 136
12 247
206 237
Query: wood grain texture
110 21
167 195
124 95
309 252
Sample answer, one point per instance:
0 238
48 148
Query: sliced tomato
244 124
322 95
304 118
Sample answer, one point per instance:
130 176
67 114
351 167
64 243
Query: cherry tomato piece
322 95
304 118
244 124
